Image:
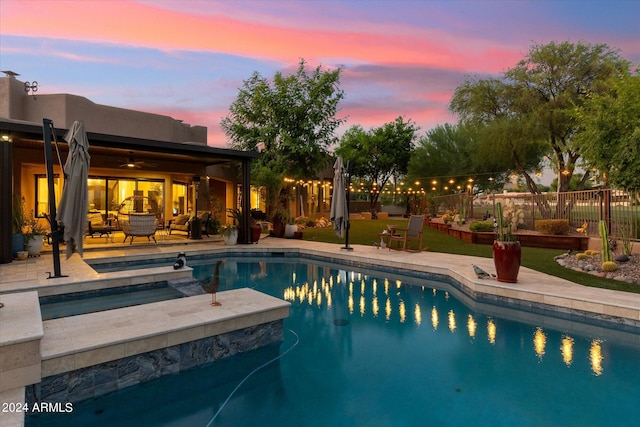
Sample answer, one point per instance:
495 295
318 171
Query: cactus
582 256
609 266
499 222
606 248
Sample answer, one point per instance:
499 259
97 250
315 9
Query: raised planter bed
565 242
575 243
443 227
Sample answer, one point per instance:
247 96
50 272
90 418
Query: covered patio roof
108 151
29 131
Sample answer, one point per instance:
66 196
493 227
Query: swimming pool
381 349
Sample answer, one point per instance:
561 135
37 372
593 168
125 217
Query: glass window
42 194
154 191
179 198
106 194
97 195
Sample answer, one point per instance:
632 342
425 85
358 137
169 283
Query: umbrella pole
348 196
56 232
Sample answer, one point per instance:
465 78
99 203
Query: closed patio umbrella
339 208
75 197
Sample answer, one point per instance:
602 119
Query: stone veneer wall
111 376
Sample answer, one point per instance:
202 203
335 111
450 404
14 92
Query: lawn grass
364 232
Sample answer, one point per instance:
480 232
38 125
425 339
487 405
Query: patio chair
413 232
96 224
139 225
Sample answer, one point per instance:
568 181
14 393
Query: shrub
582 256
553 226
481 226
609 266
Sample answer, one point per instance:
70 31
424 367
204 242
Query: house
132 153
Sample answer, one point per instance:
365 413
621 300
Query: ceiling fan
131 162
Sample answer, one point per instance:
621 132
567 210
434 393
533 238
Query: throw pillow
182 219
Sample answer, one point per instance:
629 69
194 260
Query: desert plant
236 215
213 225
606 246
582 256
627 244
552 226
609 266
32 228
17 214
510 216
227 229
480 226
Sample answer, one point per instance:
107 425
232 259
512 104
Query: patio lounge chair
139 225
413 232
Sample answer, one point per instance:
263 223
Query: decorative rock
621 258
589 267
627 271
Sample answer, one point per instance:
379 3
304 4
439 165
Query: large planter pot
506 257
17 244
255 233
231 238
289 230
34 247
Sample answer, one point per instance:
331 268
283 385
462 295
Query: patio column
6 162
246 201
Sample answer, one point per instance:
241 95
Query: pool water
383 350
54 307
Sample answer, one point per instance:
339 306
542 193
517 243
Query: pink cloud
143 24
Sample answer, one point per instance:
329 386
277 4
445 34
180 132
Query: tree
529 112
380 153
610 135
449 151
292 118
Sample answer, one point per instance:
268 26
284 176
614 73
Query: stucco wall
64 109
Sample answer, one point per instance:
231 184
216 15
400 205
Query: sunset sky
187 58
